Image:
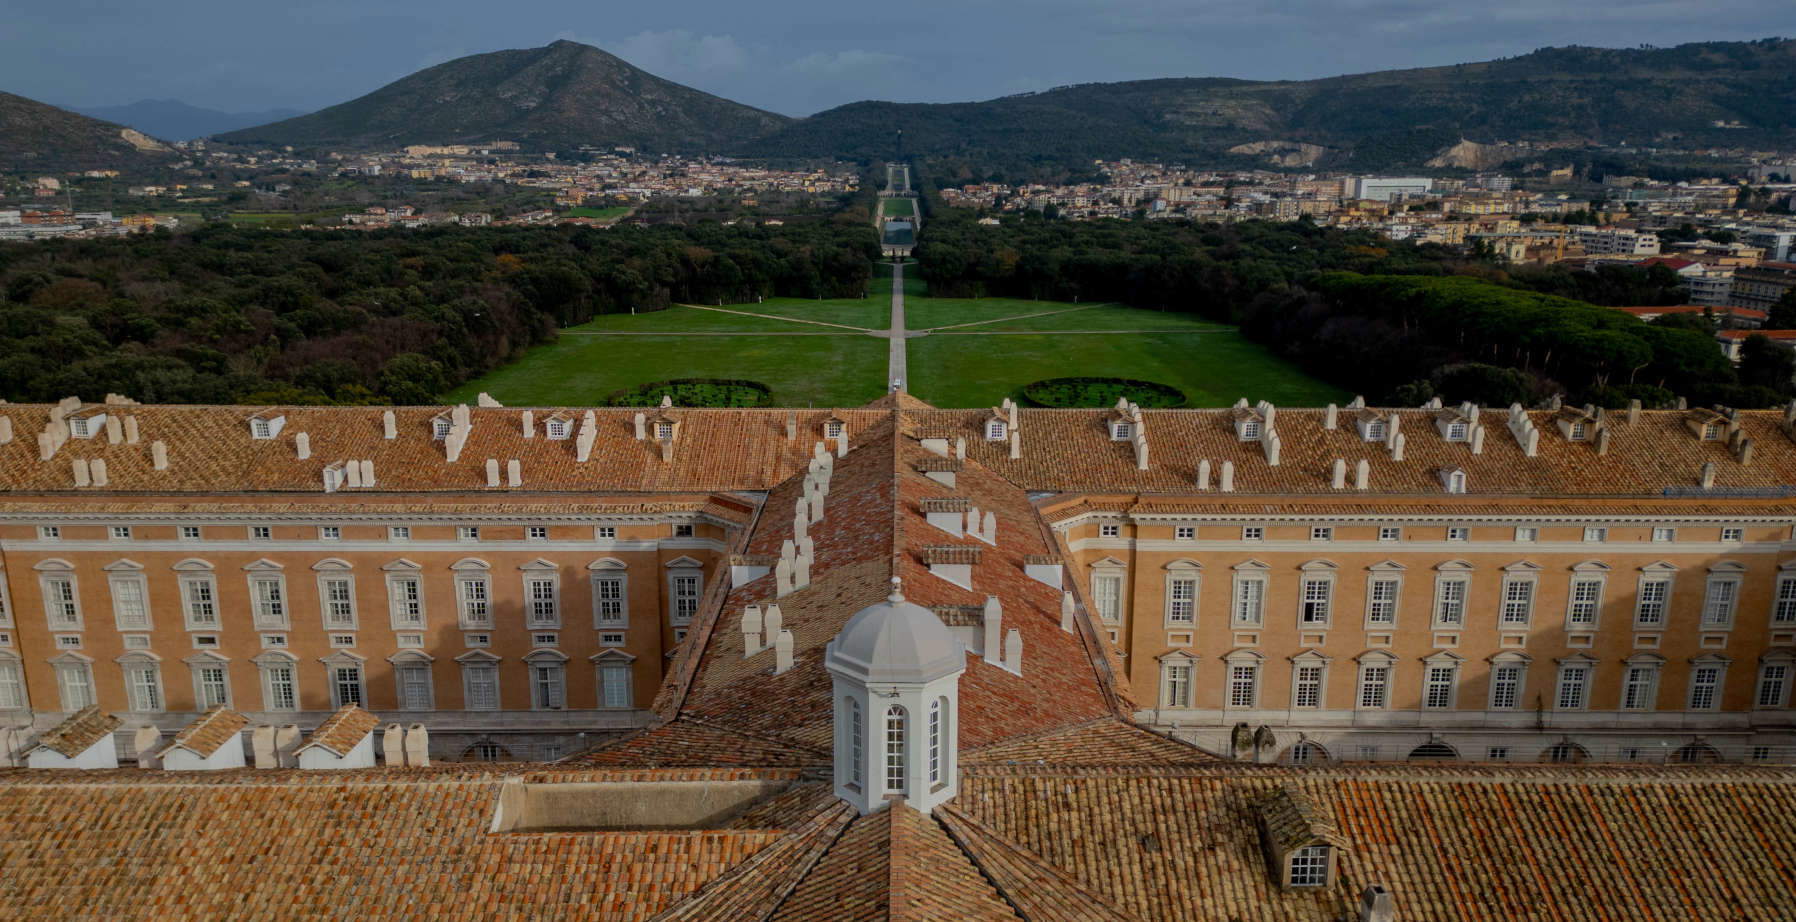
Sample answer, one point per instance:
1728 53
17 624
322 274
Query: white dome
895 641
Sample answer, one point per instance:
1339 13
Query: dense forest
1399 323
224 315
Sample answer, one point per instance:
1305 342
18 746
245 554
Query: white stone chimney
492 472
782 578
641 426
1016 444
1377 905
1228 477
1330 417
791 426
989 531
1013 651
993 627
1068 608
5 430
131 430
389 425
82 478
417 746
772 622
159 455
1338 479
115 429
1203 474
1398 442
1140 451
529 423
782 652
392 746
514 473
302 445
1706 477
751 630
486 400
842 443
1362 475
98 467
367 467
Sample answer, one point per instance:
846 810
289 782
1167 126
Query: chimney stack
115 430
1330 417
492 472
1016 444
98 466
1376 905
782 652
791 425
6 430
1338 480
772 623
392 746
1706 477
81 474
352 473
1203 474
1228 477
389 425
1013 651
1140 451
514 473
1362 475
417 746
1398 441
130 430
641 426
751 631
302 444
530 424
1066 612
782 578
993 625
367 467
159 455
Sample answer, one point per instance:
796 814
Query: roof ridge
1070 901
723 896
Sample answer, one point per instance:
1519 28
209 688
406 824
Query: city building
1384 189
1762 286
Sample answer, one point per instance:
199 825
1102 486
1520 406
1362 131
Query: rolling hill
560 96
1710 94
39 136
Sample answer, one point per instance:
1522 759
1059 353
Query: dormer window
266 427
557 428
1711 432
1251 429
1455 481
1577 432
831 430
1309 866
86 427
1122 432
1376 430
439 427
994 431
664 431
1458 432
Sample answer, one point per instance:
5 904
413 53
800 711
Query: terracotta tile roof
208 732
1291 820
752 890
1039 891
896 865
1106 741
691 743
326 506
79 731
1397 508
341 731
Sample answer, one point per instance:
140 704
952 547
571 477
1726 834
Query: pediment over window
1244 658
1660 566
545 657
343 658
1455 566
1251 565
1511 658
1645 659
1523 566
1177 658
478 657
1387 566
274 658
1577 659
1184 563
411 656
1376 658
123 564
538 564
54 563
678 562
612 656
70 658
1591 566
1727 566
607 563
470 563
192 564
1443 658
263 564
1318 565
1107 563
207 658
333 563
1312 658
138 658
402 564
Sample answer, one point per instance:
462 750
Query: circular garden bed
694 392
1101 392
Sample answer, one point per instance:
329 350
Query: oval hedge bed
1101 392
694 392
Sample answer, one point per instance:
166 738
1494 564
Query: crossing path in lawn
821 323
939 332
850 332
895 362
975 323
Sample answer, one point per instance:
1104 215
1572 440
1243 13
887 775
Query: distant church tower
897 706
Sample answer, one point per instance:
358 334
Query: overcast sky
799 56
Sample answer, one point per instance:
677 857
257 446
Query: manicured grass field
580 370
900 207
1213 369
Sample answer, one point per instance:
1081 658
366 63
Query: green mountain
1732 94
560 96
37 136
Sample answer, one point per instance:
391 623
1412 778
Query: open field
900 207
1213 369
580 370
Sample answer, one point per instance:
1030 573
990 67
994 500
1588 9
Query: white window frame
1183 584
1585 613
1247 603
1578 693
1527 534
1175 682
467 533
472 613
198 668
14 696
1184 533
678 599
479 676
399 533
195 576
1659 580
1721 600
1506 695
996 431
541 584
1309 683
1440 684
1772 690
1253 532
1596 534
1733 533
1381 613
1452 592
131 580
1375 676
1109 530
1663 534
1708 682
548 682
615 674
1640 684
270 611
1315 598
143 674
61 591
610 581
1783 599
74 682
405 667
118 532
404 611
1238 674
1390 533
1516 604
334 673
1459 533
268 665
1322 532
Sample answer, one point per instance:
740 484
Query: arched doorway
1697 753
1566 753
1433 751
1306 753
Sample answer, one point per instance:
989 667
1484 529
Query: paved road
895 367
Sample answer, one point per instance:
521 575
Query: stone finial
389 425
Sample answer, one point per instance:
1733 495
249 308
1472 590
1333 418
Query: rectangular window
282 694
682 531
414 687
541 593
546 687
346 686
537 532
475 601
1572 683
467 533
1586 600
1250 601
1496 753
211 686
119 532
1783 611
270 602
130 607
1374 686
1527 534
685 599
477 640
12 688
482 686
1733 534
1185 532
1109 531
399 533
137 641
604 532
339 602
1244 685
60 602
611 639
261 533
608 600
1718 602
1705 688
1106 595
190 533
76 682
68 641
49 532
145 688
201 598
544 640
330 533
1181 600
1637 688
1322 533
1774 680
1381 601
1649 611
1459 533
1390 533
1252 532
1505 687
1318 596
1665 534
407 597
615 685
1596 534
1176 684
1449 601
1307 691
1518 601
1437 687
409 641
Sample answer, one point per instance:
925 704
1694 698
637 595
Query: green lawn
581 370
1213 369
874 312
900 207
1052 317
